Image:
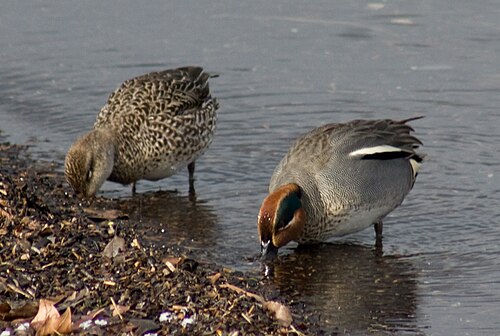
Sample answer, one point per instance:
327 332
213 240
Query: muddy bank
88 261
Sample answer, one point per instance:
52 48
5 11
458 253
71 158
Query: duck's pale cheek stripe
375 150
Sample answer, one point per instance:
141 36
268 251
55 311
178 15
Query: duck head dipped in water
339 179
151 127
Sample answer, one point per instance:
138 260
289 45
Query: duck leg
191 177
378 232
133 189
378 229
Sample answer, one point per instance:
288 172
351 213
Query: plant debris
73 266
48 320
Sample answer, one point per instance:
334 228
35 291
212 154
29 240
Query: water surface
284 69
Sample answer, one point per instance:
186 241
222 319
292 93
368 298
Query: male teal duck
339 179
151 127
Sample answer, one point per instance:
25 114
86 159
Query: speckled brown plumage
152 126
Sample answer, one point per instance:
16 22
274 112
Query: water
285 68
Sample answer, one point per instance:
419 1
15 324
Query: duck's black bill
269 252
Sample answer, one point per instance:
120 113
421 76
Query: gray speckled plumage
344 193
151 126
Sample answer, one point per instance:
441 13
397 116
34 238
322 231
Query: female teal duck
151 127
339 179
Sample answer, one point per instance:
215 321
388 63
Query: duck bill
269 251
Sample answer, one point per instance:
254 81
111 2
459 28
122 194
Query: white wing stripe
374 150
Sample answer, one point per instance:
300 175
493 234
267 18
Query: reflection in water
358 290
168 218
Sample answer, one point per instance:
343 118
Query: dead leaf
49 327
65 325
102 215
280 311
74 298
114 247
213 278
46 311
9 312
48 320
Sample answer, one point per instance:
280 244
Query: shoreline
87 257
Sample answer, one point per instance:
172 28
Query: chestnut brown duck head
281 218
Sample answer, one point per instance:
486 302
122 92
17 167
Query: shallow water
284 69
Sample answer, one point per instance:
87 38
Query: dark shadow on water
353 288
170 218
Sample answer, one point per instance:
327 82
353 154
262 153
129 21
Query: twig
117 310
242 291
